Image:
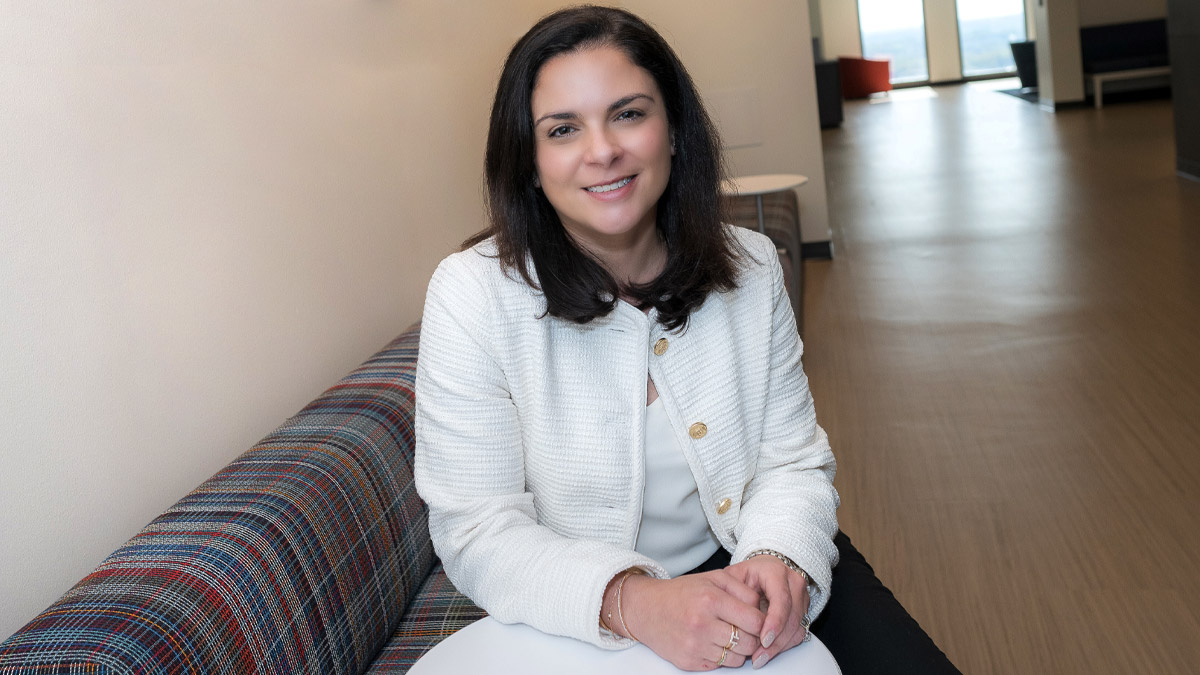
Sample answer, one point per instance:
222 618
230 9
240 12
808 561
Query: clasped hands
690 620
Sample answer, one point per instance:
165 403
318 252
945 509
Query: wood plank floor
1005 352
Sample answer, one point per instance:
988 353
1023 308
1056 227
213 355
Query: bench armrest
300 556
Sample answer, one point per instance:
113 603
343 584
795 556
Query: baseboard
959 80
816 250
1055 106
1186 168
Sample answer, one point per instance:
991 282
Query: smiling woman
604 157
615 435
644 89
580 478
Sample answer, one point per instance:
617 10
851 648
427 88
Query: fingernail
761 661
768 640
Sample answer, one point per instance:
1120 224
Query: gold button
723 506
660 347
698 430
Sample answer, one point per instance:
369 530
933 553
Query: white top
529 436
760 185
674 530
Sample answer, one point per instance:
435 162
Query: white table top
488 646
763 184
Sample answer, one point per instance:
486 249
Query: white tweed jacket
529 437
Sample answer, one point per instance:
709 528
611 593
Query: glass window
985 29
895 30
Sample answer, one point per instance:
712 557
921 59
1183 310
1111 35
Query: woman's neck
638 266
633 260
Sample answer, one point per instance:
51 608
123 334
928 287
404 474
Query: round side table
758 186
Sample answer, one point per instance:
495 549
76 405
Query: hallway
1005 352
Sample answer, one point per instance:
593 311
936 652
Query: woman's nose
603 147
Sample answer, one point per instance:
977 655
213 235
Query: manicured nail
768 640
761 661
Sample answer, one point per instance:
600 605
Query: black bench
1124 51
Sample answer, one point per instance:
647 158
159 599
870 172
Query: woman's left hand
786 595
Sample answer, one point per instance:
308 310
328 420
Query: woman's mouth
609 187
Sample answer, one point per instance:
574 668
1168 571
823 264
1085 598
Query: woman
610 393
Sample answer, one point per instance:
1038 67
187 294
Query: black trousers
866 629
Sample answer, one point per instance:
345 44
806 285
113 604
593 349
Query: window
985 29
895 30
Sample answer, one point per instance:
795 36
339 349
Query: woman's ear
537 181
672 143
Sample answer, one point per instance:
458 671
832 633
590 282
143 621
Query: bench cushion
437 611
1124 46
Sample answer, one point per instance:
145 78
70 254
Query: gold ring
734 636
724 653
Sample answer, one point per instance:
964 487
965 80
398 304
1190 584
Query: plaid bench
309 553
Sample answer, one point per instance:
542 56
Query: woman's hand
786 594
689 620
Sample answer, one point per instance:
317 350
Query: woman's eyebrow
622 102
556 116
619 103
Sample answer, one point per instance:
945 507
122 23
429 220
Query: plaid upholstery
437 611
781 220
298 557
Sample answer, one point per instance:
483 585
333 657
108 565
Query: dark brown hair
702 255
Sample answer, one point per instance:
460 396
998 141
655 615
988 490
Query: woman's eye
559 132
629 114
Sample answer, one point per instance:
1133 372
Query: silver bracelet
783 559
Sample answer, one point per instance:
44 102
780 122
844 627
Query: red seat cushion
863 77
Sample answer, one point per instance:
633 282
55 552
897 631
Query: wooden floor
1006 354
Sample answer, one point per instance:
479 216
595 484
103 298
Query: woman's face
603 145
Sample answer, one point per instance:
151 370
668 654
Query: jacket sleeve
470 471
790 504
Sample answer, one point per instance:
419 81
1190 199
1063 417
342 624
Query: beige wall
210 211
1060 63
839 28
941 37
1101 12
814 19
761 87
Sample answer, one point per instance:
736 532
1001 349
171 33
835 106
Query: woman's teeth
611 186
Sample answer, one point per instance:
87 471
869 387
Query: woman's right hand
689 620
